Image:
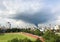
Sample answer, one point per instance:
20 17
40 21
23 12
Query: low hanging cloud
42 16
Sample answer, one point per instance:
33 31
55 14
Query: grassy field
58 34
8 36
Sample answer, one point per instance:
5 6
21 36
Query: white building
56 27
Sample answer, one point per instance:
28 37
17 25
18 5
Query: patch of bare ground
34 36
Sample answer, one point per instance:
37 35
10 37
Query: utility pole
9 25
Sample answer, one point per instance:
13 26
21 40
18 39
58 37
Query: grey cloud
36 18
2 7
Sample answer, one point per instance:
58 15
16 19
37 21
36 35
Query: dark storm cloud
36 18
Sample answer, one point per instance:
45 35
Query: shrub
51 36
38 40
14 40
20 40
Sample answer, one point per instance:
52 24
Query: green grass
9 36
58 33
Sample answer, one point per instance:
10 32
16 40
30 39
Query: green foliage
13 30
37 32
58 39
14 40
51 36
20 40
38 40
23 40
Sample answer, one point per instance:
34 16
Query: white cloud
22 6
10 7
14 6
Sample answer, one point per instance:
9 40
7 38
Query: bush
38 32
51 36
14 40
26 40
20 40
38 40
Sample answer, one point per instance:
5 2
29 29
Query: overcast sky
24 12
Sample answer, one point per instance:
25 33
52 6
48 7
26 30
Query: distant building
56 27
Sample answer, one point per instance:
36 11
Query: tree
37 32
51 36
59 27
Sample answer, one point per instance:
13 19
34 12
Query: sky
29 12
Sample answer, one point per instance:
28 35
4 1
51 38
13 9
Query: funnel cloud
35 18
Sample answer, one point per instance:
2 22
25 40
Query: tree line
48 35
35 31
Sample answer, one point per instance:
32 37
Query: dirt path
34 36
